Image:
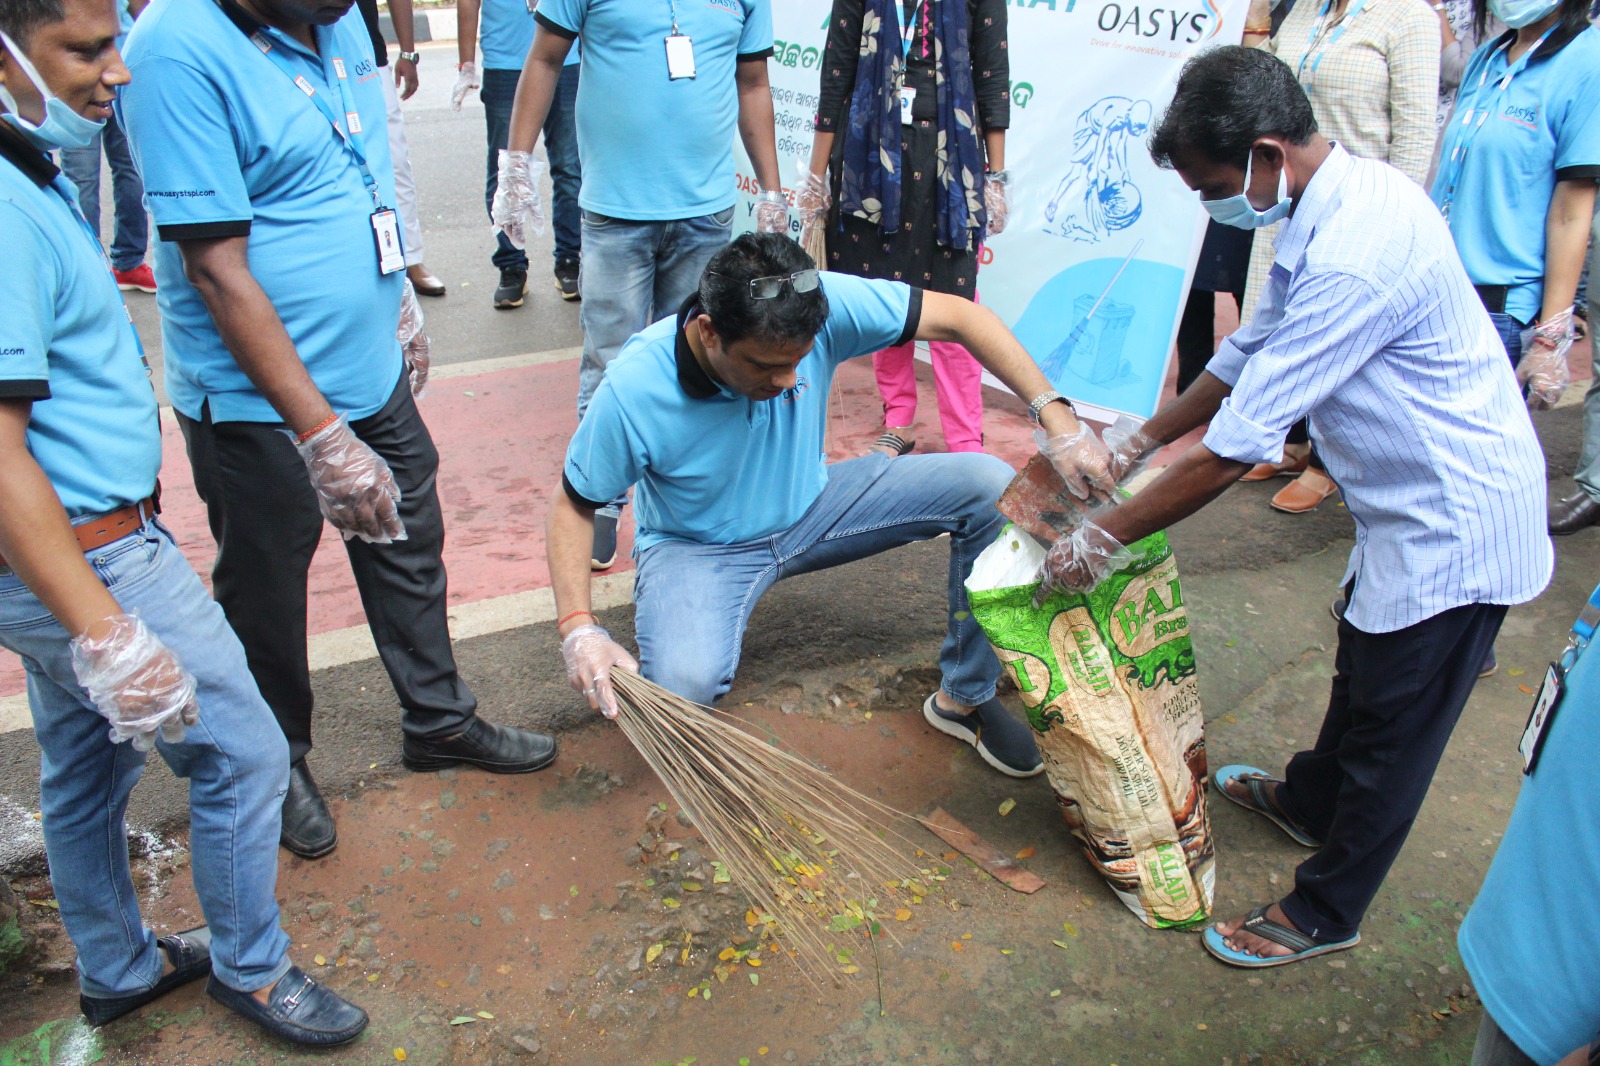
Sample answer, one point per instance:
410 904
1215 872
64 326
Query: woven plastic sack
1108 677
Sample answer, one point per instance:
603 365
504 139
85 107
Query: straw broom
813 855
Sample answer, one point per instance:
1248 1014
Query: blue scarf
869 179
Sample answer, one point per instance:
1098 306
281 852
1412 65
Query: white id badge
386 232
1544 706
908 97
680 57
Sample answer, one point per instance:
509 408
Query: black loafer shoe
1575 512
299 1010
496 748
190 955
308 828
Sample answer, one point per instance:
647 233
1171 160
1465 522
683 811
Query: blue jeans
1510 331
693 601
1588 473
498 93
633 274
235 759
131 236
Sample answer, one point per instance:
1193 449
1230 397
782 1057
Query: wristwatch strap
1044 399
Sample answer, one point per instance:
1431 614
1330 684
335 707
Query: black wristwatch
414 57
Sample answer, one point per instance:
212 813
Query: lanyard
69 197
908 27
1582 630
673 4
350 132
1473 116
1316 31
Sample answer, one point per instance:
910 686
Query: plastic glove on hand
466 81
1543 369
1079 561
772 212
1130 446
811 199
517 209
1081 460
591 655
136 683
355 490
997 202
414 343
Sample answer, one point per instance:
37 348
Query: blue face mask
62 127
1237 211
1520 13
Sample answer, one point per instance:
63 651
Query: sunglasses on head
769 288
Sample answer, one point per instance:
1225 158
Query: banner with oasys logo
1092 271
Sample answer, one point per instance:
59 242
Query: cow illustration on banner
1093 270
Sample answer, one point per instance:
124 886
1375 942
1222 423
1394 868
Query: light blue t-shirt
228 145
66 343
712 466
629 111
1544 128
505 33
1530 942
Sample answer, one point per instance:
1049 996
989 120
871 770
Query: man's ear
1270 151
708 332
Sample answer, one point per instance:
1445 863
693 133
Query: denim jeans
1588 472
131 235
1510 331
235 759
693 601
498 93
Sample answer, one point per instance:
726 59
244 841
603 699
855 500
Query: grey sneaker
1004 743
604 555
513 286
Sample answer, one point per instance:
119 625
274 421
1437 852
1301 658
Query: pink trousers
958 383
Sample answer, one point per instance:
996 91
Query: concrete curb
437 25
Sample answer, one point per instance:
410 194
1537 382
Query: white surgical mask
1520 13
1239 212
62 127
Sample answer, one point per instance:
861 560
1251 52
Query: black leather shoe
1575 512
190 955
496 748
299 1010
308 828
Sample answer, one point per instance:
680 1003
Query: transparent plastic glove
136 682
414 343
467 80
1081 460
811 202
1079 561
997 201
1543 369
355 489
1130 446
590 655
518 211
772 212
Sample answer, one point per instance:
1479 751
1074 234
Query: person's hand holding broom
591 655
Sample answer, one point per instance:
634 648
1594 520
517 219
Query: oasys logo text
1182 24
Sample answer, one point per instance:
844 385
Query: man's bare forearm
1198 477
536 88
467 31
569 542
252 331
405 31
1198 405
757 119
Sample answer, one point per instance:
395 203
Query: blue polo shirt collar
692 377
1317 201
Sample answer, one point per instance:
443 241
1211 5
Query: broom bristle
813 855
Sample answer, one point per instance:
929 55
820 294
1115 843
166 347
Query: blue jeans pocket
128 559
723 219
594 218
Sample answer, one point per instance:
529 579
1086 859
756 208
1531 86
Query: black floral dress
913 255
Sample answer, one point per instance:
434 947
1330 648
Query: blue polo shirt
713 466
505 33
229 146
629 110
1544 128
66 343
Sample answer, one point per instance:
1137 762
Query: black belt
1493 297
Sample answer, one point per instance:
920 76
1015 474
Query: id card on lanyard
1475 111
908 33
385 224
680 50
1548 700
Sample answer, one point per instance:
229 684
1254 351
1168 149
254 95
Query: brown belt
101 530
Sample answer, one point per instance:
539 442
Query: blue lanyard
908 27
69 197
1333 38
1582 630
1473 116
350 131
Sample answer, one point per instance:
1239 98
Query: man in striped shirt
1370 328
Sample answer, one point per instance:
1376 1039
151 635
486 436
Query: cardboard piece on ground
991 859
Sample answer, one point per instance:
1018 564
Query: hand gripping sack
1108 677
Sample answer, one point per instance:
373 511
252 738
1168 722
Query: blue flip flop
1302 946
1262 799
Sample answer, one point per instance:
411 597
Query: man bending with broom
718 413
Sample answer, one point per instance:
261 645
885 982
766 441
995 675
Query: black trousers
265 520
1394 701
1197 335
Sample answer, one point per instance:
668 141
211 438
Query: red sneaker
140 277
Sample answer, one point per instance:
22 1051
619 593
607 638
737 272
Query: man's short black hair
725 291
1226 98
19 18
